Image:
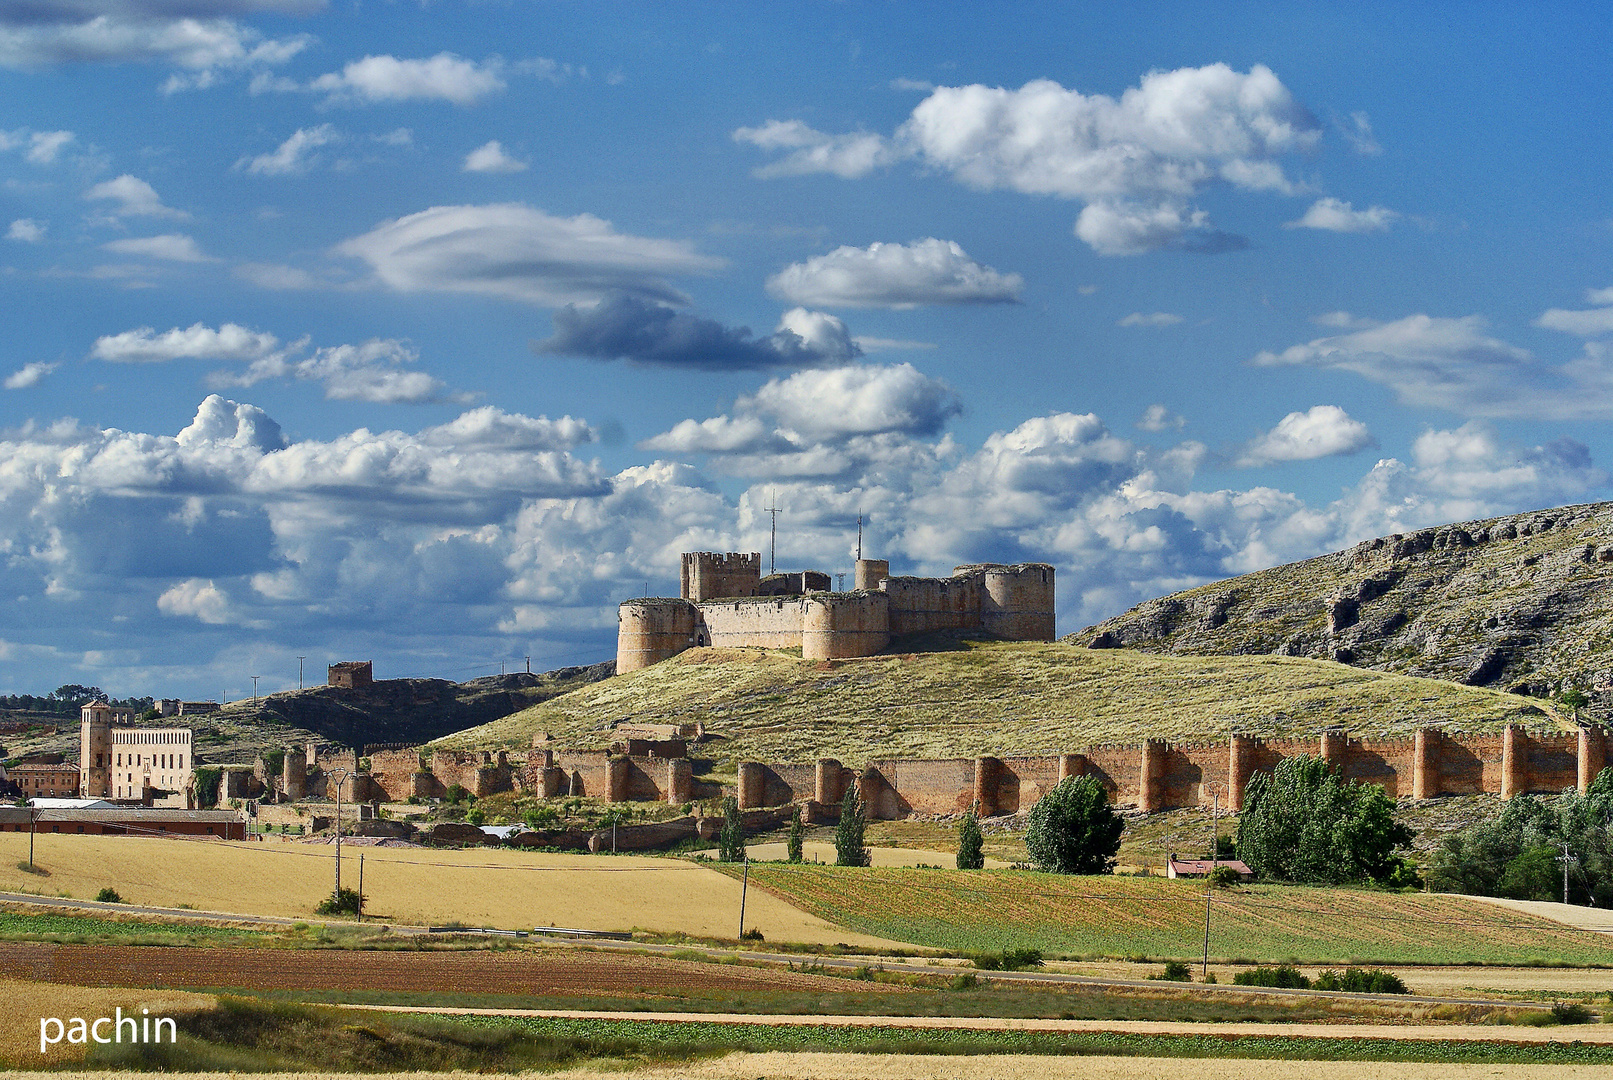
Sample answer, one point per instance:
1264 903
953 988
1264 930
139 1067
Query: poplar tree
849 849
971 843
796 832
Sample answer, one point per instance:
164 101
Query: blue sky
429 332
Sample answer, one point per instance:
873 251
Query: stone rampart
770 622
920 605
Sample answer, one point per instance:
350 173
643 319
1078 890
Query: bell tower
95 750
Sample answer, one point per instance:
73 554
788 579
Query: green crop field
1164 919
998 698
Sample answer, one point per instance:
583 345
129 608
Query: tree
731 838
849 849
797 831
1073 829
970 843
1303 822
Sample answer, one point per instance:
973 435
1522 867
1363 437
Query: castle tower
95 750
648 631
706 575
870 572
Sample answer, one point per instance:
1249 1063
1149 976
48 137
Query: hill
387 711
995 698
1520 602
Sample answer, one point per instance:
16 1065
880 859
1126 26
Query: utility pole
255 679
361 886
1566 859
300 659
339 775
744 889
1204 973
772 558
529 665
1215 787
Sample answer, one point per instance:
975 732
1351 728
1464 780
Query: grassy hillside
1521 602
1162 918
995 697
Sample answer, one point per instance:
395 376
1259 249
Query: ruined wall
765 622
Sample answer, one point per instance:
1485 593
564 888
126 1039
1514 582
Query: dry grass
824 1066
997 698
480 887
29 1001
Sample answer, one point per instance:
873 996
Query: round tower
1017 604
95 750
870 572
838 626
648 631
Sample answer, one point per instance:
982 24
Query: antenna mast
772 557
859 534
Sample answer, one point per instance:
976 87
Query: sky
429 332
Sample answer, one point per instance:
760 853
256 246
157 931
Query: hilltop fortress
726 601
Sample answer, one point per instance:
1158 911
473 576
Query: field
1161 918
1019 698
480 887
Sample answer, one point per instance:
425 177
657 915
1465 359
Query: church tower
95 750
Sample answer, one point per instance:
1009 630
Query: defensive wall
726 602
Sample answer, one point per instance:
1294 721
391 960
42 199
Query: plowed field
531 973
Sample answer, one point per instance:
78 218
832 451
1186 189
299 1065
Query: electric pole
1567 860
529 665
255 679
300 659
772 558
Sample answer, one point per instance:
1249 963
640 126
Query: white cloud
1335 215
928 271
1154 319
26 230
839 402
134 198
1135 162
1592 323
812 151
198 342
397 137
295 155
520 253
1358 133
375 371
1454 364
715 435
491 158
28 375
43 146
197 599
920 85
387 79
1343 320
174 247
1159 418
1322 431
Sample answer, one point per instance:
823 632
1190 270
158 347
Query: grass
981 911
997 698
495 887
83 929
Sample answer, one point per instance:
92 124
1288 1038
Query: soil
534 972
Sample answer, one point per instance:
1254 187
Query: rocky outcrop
1520 602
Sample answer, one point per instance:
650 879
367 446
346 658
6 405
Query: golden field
27 1002
415 886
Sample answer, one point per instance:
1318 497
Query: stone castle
726 601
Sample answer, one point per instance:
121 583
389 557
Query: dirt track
534 972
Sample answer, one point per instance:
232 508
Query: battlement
708 575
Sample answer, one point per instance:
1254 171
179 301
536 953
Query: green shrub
971 844
1570 1012
1073 830
1223 877
1175 971
1008 960
108 895
540 817
966 981
731 837
456 793
1359 981
752 935
1285 977
341 902
475 816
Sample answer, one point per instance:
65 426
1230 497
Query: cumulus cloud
295 155
846 401
520 253
625 327
1455 364
1159 418
928 271
1153 318
1136 162
43 146
387 79
230 341
172 247
29 375
375 371
26 230
197 599
812 151
1335 215
491 158
200 37
1322 431
133 198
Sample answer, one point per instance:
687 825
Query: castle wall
921 605
766 622
1016 603
708 575
839 625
